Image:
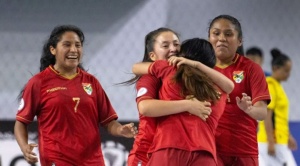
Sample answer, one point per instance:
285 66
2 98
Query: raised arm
141 68
218 78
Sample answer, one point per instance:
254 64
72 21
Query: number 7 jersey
68 112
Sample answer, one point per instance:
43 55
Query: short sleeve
258 84
105 109
147 87
160 69
30 102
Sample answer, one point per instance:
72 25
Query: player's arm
151 107
218 78
141 68
292 143
21 134
270 132
157 108
116 129
257 111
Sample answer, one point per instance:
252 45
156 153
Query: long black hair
47 58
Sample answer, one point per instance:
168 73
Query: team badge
87 88
238 76
21 105
141 92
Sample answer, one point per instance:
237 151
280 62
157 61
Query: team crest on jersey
238 76
87 88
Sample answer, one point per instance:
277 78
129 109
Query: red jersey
236 132
183 131
147 88
68 114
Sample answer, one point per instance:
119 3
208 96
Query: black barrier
115 149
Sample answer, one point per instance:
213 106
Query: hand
271 149
292 143
30 156
128 130
199 108
245 103
173 60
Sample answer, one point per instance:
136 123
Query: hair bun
275 52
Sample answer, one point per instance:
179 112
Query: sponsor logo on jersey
238 76
56 89
87 87
141 92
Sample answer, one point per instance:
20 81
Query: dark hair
149 46
279 59
255 51
240 50
47 58
194 81
236 24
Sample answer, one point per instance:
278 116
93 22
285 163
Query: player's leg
290 158
262 154
265 159
285 155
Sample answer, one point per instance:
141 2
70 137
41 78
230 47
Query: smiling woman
67 54
68 102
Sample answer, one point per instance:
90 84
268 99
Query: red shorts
55 163
137 158
177 157
61 162
237 161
